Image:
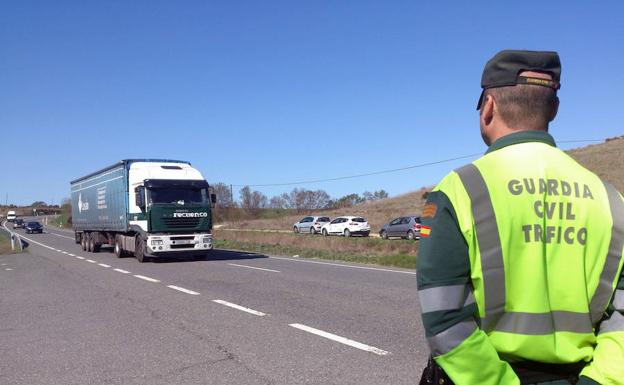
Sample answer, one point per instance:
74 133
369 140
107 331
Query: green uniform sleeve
607 366
447 304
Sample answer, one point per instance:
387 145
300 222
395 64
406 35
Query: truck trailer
145 207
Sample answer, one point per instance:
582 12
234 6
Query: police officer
521 253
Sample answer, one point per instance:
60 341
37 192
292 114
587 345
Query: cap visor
480 100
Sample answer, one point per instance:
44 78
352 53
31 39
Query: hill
605 159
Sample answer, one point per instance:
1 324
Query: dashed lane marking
91 261
122 271
183 290
239 307
146 278
8 269
103 265
342 340
79 257
255 268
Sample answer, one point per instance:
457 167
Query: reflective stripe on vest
603 294
492 266
451 338
445 298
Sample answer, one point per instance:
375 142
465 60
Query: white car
310 225
347 226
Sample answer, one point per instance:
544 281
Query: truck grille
178 223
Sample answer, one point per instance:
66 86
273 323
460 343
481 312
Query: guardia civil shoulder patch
430 210
425 231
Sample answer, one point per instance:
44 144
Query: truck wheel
83 241
91 244
139 249
119 251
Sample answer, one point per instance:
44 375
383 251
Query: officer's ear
555 109
487 110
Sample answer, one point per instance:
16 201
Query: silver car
310 225
405 227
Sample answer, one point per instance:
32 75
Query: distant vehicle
11 216
347 226
33 227
18 223
310 225
405 227
148 207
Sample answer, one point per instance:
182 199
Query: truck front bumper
179 243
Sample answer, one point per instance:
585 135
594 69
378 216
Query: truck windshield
180 195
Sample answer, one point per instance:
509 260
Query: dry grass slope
605 159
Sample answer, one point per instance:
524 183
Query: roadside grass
396 253
59 221
5 244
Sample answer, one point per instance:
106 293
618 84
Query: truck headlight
206 240
157 242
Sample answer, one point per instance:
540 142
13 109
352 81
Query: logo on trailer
82 206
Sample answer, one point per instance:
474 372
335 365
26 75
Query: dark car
18 224
405 227
33 227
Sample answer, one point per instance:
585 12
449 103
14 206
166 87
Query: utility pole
232 194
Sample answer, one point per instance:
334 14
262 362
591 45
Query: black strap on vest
530 372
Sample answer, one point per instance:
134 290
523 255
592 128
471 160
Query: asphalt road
73 317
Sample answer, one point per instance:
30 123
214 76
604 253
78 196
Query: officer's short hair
524 105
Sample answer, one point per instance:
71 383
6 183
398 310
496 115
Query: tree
375 196
278 202
38 204
252 201
348 201
224 195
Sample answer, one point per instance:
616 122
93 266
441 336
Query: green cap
503 69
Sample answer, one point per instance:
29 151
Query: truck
11 216
148 208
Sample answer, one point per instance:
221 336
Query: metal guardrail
16 240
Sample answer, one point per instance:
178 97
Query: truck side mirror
139 197
213 198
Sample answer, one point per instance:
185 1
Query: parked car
18 223
33 227
405 227
347 226
310 225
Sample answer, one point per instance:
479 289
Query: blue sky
258 92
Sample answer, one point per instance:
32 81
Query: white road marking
64 252
71 255
238 307
255 268
62 236
347 266
146 278
183 290
122 271
342 340
4 264
91 261
8 269
103 265
79 257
